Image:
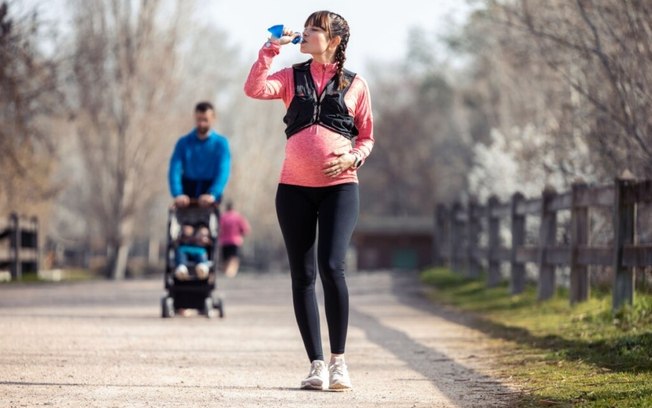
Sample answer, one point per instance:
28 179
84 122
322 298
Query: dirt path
103 344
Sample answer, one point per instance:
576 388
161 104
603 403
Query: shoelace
338 368
316 370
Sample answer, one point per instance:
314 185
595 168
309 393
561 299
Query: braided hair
335 26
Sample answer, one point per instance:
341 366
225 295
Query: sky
379 29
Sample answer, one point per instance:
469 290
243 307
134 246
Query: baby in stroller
190 277
191 253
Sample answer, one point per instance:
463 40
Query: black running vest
328 109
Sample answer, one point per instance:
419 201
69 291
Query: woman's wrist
357 160
272 43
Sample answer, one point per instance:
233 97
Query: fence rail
458 232
19 245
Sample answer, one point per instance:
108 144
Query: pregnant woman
329 135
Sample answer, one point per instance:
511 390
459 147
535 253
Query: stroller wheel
167 307
219 305
208 307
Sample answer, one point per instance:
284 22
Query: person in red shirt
233 228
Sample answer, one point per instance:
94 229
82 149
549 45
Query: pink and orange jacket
307 151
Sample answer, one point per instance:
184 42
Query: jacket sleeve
364 121
175 171
260 84
223 169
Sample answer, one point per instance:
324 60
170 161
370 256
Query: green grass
562 355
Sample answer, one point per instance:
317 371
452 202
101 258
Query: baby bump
311 150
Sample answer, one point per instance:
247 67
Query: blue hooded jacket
201 165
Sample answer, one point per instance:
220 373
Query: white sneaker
181 272
317 378
339 375
202 271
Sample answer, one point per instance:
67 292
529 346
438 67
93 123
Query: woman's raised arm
261 85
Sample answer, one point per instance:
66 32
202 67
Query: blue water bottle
277 32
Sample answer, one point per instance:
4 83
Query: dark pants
335 210
195 188
229 251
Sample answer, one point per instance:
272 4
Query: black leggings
335 210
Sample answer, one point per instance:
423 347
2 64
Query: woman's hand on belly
334 168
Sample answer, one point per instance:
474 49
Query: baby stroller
191 293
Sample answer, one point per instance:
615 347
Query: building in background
394 243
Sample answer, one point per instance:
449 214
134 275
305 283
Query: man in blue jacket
201 162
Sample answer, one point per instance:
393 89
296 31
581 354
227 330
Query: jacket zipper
319 100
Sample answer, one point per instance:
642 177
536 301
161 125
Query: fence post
16 263
440 236
624 225
517 278
493 276
455 236
579 274
472 234
547 239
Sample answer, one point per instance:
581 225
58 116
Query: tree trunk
120 262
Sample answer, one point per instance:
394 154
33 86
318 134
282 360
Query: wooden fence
458 230
19 246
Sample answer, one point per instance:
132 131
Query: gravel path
103 344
